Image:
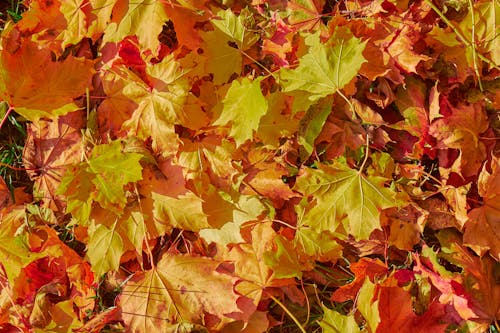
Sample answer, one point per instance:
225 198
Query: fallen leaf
181 289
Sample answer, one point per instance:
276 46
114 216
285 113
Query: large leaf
181 289
344 196
46 89
327 66
244 105
158 103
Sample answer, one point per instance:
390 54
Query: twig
6 116
295 320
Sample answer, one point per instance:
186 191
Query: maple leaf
344 196
13 248
143 18
156 105
275 125
213 156
284 260
222 58
334 322
183 212
460 129
483 227
181 289
244 105
403 55
234 27
104 249
101 178
305 14
50 147
478 275
363 269
448 284
411 102
396 312
46 89
312 123
367 306
249 263
327 66
480 25
185 16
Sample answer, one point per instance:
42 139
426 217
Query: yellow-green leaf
327 66
244 105
105 249
334 322
101 178
344 196
233 26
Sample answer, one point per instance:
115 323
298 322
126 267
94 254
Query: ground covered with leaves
250 166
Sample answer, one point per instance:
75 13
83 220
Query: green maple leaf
14 251
105 248
101 178
327 66
222 58
334 322
344 196
244 105
233 26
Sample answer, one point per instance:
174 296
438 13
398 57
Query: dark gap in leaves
67 237
449 266
327 12
11 153
168 35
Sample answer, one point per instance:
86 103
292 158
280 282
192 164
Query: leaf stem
6 116
295 320
348 103
366 155
459 34
473 45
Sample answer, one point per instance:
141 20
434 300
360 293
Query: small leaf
244 105
334 322
312 124
105 249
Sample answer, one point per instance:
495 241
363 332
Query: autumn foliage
246 166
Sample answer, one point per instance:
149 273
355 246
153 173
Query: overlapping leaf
344 197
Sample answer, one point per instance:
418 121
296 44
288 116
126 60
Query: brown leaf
50 147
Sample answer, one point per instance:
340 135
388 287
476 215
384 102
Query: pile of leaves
245 166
